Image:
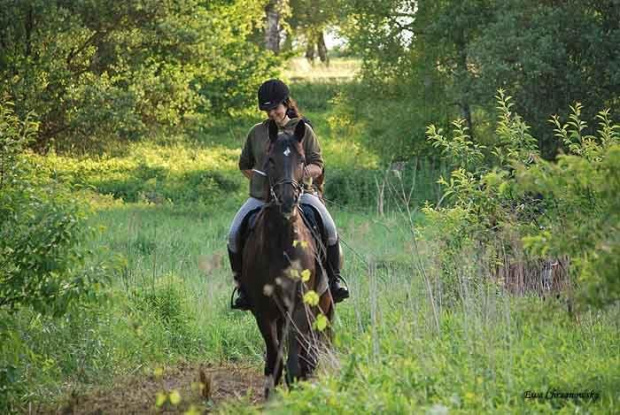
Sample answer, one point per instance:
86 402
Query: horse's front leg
273 361
280 357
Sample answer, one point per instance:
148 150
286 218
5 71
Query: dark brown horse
278 254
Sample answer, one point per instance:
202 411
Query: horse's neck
281 233
279 236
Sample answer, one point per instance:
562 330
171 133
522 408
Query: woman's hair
292 110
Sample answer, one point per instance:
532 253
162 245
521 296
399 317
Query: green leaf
321 322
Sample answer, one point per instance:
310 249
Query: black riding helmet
272 93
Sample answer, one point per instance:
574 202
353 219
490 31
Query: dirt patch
139 394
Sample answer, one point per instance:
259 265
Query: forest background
473 167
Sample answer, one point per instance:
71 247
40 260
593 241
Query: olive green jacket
254 153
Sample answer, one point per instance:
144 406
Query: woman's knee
233 233
326 218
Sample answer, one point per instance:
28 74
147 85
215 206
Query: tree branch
74 52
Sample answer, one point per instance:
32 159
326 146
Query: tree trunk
272 26
463 80
322 48
310 51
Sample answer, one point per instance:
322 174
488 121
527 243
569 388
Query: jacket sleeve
246 160
312 148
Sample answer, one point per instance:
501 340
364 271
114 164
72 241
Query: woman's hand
312 170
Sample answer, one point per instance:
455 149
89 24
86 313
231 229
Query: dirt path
139 394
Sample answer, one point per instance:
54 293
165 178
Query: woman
274 98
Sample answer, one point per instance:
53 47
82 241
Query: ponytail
292 110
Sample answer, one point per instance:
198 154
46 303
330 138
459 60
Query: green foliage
459 150
549 55
432 61
366 189
580 195
564 209
385 115
118 71
15 135
308 19
474 367
165 303
43 265
41 229
389 354
164 300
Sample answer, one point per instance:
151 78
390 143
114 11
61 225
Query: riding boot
339 292
242 302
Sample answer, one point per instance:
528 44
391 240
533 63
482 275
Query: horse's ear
273 131
300 130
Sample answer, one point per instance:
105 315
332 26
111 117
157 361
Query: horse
280 265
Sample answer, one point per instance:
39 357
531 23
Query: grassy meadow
406 342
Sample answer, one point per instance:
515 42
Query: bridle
297 188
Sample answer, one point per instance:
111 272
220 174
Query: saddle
313 221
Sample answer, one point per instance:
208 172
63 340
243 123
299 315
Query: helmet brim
268 106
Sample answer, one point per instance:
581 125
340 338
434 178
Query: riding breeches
306 198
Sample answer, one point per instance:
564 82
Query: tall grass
420 334
406 345
169 302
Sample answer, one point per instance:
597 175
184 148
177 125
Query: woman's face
278 114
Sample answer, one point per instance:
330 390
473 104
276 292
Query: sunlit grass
300 68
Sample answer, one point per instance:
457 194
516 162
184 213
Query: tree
101 71
448 56
272 25
309 20
549 55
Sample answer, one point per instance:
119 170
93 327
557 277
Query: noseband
297 188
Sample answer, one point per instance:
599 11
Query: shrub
41 230
512 204
42 264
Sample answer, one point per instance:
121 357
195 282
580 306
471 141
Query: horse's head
285 167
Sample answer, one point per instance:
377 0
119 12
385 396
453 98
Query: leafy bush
41 230
511 203
42 263
581 204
